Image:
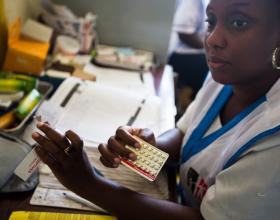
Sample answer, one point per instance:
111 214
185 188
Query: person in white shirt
227 143
187 55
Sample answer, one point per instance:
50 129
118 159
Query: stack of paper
96 110
140 83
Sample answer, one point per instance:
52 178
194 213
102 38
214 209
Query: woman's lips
215 65
215 62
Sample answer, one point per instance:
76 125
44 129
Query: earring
274 58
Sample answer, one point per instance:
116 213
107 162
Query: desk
20 201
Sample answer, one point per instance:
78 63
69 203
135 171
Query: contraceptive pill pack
149 160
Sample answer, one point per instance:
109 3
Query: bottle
28 104
3 34
16 82
12 85
31 82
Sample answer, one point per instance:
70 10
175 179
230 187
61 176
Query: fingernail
40 124
137 145
132 156
35 135
117 160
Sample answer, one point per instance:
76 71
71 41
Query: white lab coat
236 176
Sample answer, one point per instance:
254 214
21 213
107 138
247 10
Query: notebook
56 216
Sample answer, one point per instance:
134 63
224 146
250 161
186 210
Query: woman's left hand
65 156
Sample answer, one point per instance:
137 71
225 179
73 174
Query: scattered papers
55 198
49 192
132 81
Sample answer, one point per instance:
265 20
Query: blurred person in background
187 55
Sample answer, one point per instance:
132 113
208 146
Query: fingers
118 148
145 134
48 159
53 135
107 163
125 134
148 136
75 140
111 153
109 159
49 147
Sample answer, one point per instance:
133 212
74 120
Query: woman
229 136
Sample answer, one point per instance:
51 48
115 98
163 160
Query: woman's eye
210 23
239 24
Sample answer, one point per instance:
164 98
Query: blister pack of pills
149 160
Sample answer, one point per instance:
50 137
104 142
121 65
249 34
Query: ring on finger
67 150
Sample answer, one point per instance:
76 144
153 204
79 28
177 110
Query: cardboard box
37 31
24 55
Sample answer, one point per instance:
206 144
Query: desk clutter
99 121
26 53
20 95
105 104
100 88
123 58
51 193
64 22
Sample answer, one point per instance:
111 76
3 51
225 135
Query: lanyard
197 142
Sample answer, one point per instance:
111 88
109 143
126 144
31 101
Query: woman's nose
216 38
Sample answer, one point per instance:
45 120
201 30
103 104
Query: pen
133 118
141 73
70 94
80 200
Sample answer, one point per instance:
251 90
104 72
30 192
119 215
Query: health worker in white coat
186 52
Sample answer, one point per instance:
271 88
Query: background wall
21 8
143 24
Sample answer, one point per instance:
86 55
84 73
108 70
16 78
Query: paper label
30 163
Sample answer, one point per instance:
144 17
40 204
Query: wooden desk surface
20 201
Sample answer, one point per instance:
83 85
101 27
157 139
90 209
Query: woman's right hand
115 147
